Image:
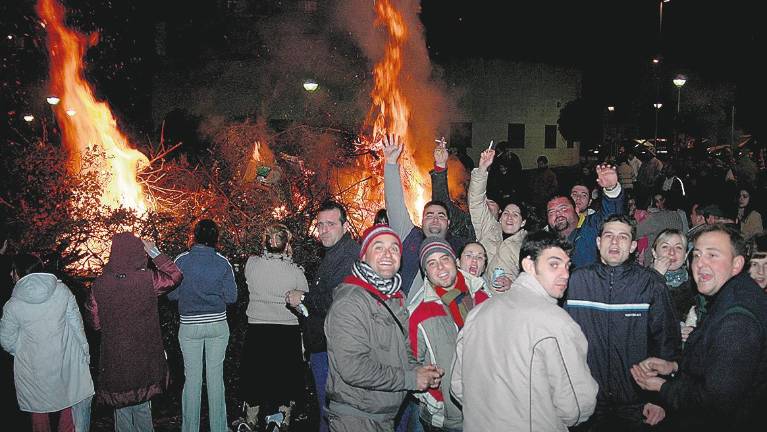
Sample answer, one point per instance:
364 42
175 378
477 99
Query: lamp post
660 15
679 81
657 106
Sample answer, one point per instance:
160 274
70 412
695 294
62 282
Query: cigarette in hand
490 147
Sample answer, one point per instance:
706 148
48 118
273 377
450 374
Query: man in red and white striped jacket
437 312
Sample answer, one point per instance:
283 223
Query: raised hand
392 147
440 155
607 176
486 159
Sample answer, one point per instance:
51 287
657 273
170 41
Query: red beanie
374 231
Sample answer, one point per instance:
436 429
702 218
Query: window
551 137
460 135
516 135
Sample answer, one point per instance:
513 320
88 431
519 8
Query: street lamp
657 106
611 108
53 100
679 81
310 85
28 118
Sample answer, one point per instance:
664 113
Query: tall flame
93 126
391 110
400 75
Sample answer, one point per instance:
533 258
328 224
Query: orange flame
391 110
92 125
390 113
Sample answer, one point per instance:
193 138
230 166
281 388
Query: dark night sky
611 41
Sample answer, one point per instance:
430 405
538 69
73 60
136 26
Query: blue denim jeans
319 363
210 340
81 415
134 418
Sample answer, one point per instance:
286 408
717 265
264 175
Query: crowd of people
635 299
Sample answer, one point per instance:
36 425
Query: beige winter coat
500 253
534 378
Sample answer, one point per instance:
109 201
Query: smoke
430 104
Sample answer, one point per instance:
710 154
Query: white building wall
494 93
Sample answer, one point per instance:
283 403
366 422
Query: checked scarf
387 287
456 299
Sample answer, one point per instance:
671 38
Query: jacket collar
339 244
616 271
529 283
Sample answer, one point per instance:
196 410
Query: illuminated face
671 246
383 255
330 228
615 243
659 201
561 215
758 270
441 269
714 262
494 208
473 259
582 197
551 270
511 219
435 221
743 198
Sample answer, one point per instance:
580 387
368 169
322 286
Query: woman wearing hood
43 330
132 367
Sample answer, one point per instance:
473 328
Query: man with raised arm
564 220
435 218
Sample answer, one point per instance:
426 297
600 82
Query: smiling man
371 367
520 359
435 218
721 381
625 312
437 313
580 230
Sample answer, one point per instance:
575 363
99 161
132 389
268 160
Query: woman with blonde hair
272 372
669 253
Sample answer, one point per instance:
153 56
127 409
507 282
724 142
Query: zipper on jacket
609 334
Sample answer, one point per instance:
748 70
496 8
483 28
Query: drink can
497 272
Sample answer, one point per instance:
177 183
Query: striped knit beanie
374 231
431 245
